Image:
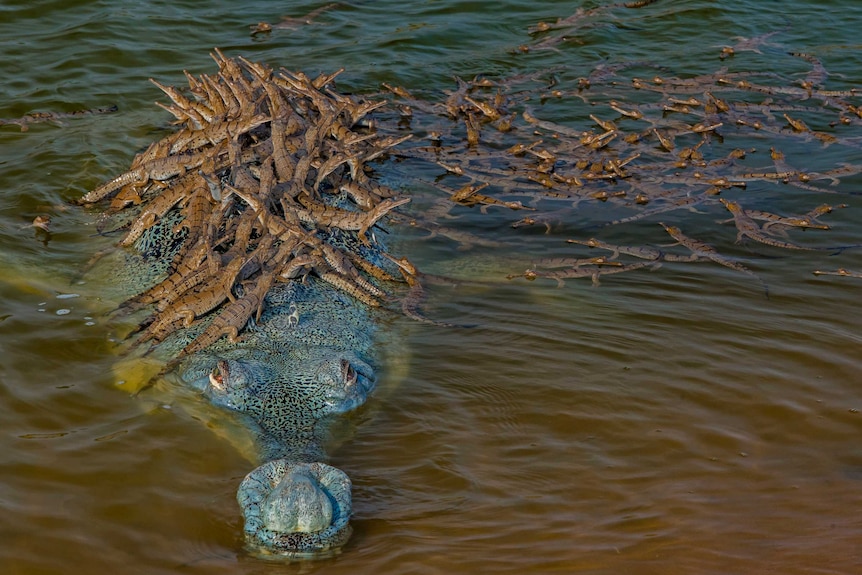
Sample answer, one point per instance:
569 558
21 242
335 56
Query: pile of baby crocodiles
249 174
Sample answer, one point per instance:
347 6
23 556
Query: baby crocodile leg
232 317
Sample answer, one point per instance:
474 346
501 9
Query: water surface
673 421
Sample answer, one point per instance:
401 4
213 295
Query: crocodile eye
218 374
348 374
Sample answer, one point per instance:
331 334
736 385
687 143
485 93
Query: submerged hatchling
54 117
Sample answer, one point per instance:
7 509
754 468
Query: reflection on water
667 421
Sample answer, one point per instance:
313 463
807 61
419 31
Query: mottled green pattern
286 372
255 495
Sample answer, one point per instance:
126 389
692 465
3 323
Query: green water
674 421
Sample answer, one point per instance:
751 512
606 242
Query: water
674 421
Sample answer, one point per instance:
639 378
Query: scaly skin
288 405
296 509
303 365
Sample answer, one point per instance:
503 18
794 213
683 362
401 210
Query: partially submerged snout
297 510
298 504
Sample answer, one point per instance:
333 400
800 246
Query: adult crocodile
254 221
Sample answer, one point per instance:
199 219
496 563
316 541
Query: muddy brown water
667 421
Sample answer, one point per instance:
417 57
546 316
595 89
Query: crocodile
258 281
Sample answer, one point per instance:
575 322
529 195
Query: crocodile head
288 381
293 505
